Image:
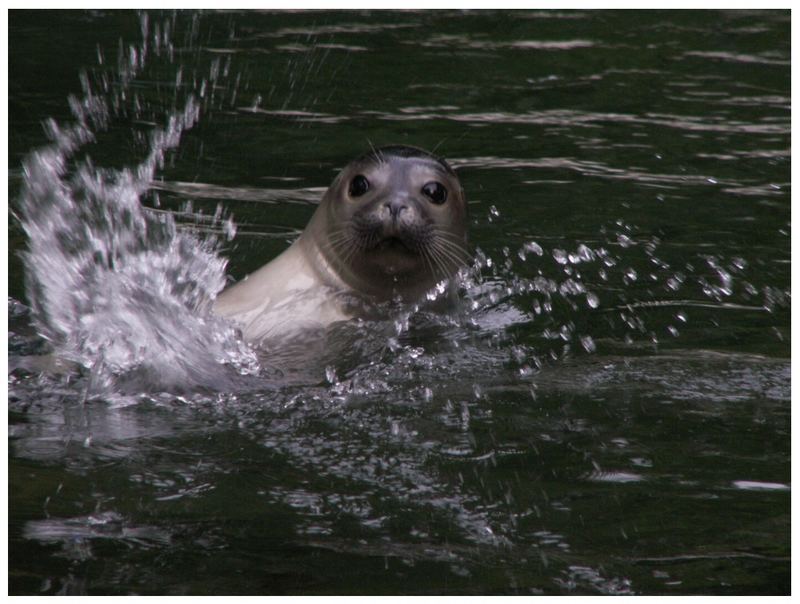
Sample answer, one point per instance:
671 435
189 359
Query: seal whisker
453 249
444 265
437 261
444 236
344 243
427 257
449 239
350 245
340 240
436 252
439 144
446 253
445 233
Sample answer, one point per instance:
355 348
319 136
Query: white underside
282 298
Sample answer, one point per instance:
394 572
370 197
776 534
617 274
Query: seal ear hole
359 185
435 191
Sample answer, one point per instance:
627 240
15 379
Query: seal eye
358 186
435 191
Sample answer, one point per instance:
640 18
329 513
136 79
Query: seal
391 227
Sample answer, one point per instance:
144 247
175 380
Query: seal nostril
395 207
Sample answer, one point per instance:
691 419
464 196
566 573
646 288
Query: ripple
567 118
551 44
583 577
588 168
343 28
774 100
736 57
464 41
752 485
195 190
618 477
298 115
101 525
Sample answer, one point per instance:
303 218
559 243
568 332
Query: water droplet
592 300
586 253
464 416
571 287
625 241
330 375
534 248
401 324
229 229
415 353
750 288
588 344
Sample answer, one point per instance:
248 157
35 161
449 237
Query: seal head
393 223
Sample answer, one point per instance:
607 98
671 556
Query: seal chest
392 225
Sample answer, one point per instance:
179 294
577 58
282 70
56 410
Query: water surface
608 410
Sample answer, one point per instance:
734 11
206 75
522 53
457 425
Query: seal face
392 225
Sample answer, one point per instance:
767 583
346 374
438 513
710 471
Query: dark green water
613 416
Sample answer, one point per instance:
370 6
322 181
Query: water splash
113 286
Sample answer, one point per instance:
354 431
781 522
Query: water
608 409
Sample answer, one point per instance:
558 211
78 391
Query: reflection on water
607 411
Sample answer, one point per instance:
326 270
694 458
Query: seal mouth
394 244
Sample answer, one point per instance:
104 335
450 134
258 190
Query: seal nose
395 206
